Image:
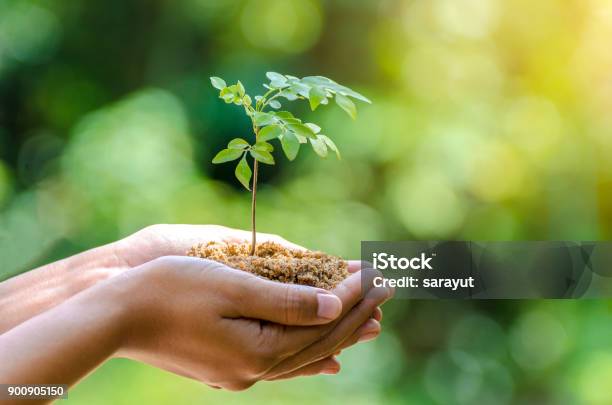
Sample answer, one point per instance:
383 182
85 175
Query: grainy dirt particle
278 263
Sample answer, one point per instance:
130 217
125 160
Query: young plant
270 122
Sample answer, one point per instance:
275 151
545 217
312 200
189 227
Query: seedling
270 122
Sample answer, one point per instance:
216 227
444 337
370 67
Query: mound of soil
277 262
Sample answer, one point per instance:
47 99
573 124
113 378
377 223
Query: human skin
193 317
80 294
38 290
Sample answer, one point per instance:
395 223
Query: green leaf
347 105
348 92
263 156
314 127
318 145
283 114
262 118
240 89
218 83
289 121
278 85
332 85
238 143
286 117
290 144
289 94
317 81
277 80
247 100
316 97
275 104
265 146
243 172
227 155
269 132
227 95
301 129
330 144
276 77
301 89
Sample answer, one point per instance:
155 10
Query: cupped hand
162 240
175 240
230 329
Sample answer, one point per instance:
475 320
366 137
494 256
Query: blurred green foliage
491 120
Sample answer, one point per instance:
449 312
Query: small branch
254 197
258 107
270 99
261 103
265 101
253 205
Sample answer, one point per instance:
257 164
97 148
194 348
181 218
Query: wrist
135 293
106 305
68 341
120 298
31 293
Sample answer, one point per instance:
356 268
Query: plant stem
253 204
250 111
254 197
266 101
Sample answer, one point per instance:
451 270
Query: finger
354 266
289 340
332 341
378 314
286 304
368 331
294 339
328 365
350 292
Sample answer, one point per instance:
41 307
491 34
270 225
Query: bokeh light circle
290 26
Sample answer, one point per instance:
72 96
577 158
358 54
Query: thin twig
253 204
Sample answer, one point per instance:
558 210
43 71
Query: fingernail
329 306
368 336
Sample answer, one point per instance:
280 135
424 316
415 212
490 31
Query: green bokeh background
491 121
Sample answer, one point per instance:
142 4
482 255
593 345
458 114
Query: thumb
287 304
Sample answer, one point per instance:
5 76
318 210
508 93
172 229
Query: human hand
38 290
175 240
230 329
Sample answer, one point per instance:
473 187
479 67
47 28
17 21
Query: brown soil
277 263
